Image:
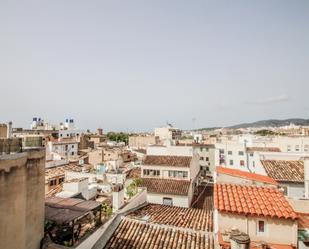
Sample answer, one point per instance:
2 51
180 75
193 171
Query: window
261 227
253 163
240 153
151 172
167 201
251 154
230 152
242 163
207 159
201 158
177 174
231 162
72 146
61 180
53 182
306 148
289 148
72 153
201 149
296 147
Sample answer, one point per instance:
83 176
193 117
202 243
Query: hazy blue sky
133 65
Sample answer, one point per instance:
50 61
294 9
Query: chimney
118 197
100 131
9 130
306 176
239 240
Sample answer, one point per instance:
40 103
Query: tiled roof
59 171
252 200
137 234
197 219
174 161
166 186
284 171
303 220
263 149
246 175
52 192
134 173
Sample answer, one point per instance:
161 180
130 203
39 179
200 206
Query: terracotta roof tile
174 161
284 171
137 234
197 219
133 173
252 200
166 186
303 220
263 149
246 175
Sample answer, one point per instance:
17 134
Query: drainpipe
247 155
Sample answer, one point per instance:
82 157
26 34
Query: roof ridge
175 228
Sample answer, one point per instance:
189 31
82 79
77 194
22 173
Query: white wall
179 201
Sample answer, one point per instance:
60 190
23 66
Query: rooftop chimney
239 240
118 197
9 129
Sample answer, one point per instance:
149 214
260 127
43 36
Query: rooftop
134 173
284 171
252 200
59 171
64 210
166 186
137 234
196 219
174 161
246 175
263 149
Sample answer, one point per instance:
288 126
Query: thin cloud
270 100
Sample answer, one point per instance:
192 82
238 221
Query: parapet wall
22 199
12 145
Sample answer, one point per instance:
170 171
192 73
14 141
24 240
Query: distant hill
263 123
272 123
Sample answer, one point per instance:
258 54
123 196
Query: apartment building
258 214
170 180
142 141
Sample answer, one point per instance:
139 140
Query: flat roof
65 210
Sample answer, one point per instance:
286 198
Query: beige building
262 213
168 133
22 199
142 142
170 180
3 131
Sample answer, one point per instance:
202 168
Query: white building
170 180
65 148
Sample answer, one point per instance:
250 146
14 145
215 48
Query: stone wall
8 146
22 199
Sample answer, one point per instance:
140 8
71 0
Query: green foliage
48 225
132 188
118 137
106 210
265 132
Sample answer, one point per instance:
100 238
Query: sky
133 65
